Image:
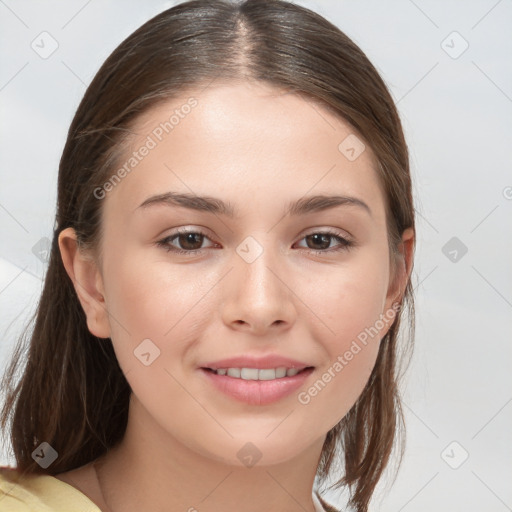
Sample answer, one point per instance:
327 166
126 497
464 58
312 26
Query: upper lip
269 361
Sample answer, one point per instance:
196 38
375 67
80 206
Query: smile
258 373
245 385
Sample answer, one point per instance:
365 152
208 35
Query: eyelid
187 229
330 231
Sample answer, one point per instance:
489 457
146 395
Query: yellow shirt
40 493
45 493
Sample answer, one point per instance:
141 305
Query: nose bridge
258 295
257 264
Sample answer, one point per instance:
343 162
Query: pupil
189 238
318 237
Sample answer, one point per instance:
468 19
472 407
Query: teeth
257 373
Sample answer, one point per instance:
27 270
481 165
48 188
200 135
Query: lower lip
257 392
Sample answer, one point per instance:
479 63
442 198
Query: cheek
349 299
349 306
155 301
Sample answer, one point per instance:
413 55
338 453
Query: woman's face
265 278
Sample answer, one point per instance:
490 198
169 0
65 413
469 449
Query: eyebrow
302 206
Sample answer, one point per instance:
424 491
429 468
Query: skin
258 148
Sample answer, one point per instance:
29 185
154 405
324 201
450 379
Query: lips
236 377
261 362
256 392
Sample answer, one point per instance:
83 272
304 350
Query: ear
401 274
87 281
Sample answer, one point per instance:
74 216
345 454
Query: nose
259 296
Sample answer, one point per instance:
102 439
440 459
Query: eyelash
344 244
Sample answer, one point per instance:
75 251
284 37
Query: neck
151 470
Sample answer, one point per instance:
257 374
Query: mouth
257 386
262 374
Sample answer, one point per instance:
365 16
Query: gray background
456 109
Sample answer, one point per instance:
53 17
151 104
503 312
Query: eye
323 239
190 241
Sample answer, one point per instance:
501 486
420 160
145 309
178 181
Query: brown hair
72 393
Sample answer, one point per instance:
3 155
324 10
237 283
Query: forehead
248 142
